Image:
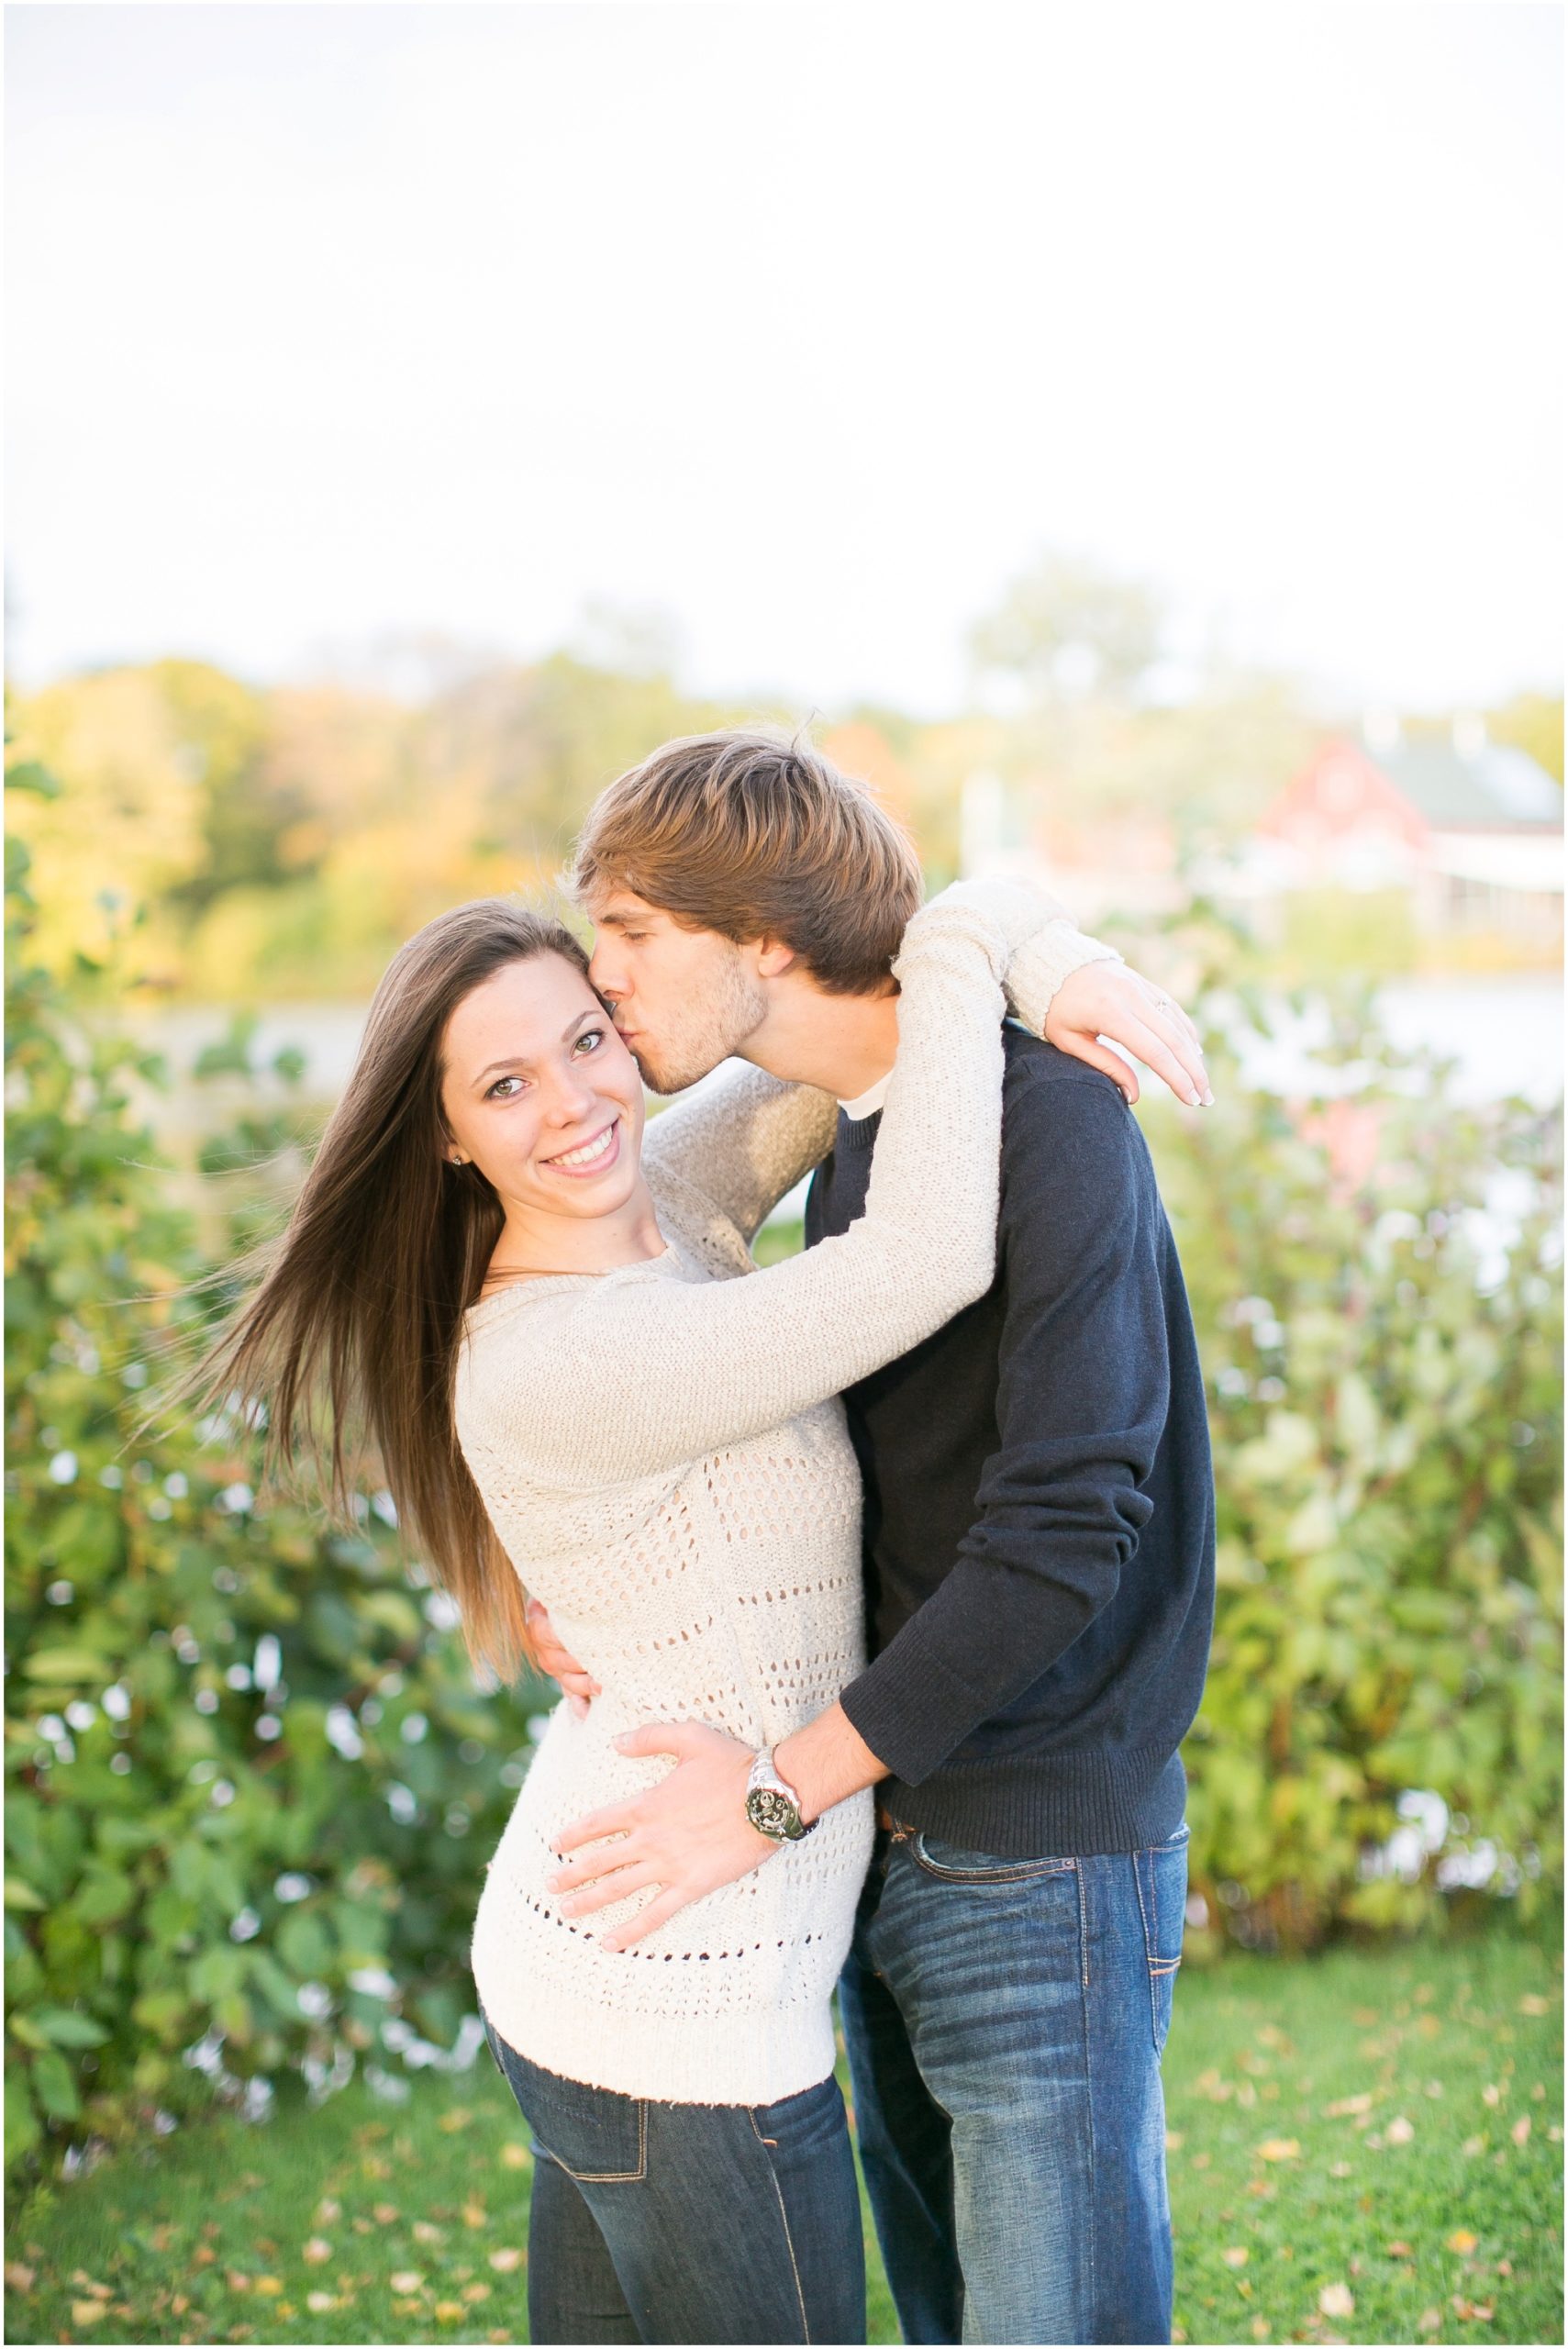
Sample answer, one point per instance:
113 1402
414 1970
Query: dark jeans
1006 2020
688 2223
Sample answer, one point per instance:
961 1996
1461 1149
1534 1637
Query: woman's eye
590 1039
496 1092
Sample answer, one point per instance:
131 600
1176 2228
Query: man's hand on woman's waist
690 1834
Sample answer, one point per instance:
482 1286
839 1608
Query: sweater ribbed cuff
1036 968
912 1710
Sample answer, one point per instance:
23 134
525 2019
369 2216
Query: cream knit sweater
662 1454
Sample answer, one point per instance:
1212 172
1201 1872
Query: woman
538 1321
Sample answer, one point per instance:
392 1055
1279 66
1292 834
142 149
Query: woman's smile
589 1157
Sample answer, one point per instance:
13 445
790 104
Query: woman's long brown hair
358 1317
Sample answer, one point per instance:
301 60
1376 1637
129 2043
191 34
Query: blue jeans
1006 2020
689 2222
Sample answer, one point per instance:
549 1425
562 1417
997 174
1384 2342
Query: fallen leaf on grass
1473 2311
1533 2004
315 2250
458 2118
1175 2141
476 2292
406 2308
1555 2133
88 2311
1338 2169
505 2261
269 2285
1280 2149
1400 2250
1399 2132
383 2213
1430 2321
450 2311
19 2279
513 2155
1519 2133
475 2214
1235 2255
1462 2241
1258 2328
1342 2107
424 2232
1335 2299
408 2279
237 2280
326 2210
319 2302
1473 2146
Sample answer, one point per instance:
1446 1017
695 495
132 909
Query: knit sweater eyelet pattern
665 1458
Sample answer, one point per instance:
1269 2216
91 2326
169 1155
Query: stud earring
458 1158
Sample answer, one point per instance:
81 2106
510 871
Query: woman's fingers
1109 1062
1156 1048
1170 1012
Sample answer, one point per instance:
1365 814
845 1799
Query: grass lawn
1364 2147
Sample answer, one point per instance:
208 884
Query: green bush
251 1781
1374 1278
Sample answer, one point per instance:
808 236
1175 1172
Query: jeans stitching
1160 1967
613 2177
1089 2082
1083 1931
783 2216
1026 1871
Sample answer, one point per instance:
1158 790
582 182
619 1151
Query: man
1039 1560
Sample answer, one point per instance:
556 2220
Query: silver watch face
772 1813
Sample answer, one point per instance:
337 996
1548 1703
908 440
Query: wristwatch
772 1804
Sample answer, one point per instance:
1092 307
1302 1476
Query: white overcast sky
807 326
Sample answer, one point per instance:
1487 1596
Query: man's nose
604 976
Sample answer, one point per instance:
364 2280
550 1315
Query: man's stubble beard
731 1010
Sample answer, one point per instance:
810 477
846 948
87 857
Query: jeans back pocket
595 2135
1161 1875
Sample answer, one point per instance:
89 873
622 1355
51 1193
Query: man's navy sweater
1038 1540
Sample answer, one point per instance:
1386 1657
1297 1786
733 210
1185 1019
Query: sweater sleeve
1082 1394
743 1139
635 1372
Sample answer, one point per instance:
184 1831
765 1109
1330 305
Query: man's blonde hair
754 834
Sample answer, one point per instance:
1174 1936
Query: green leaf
69 2027
55 2084
67 1663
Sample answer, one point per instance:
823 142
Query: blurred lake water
1506 1035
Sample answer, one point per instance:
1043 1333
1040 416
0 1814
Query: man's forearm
826 1762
